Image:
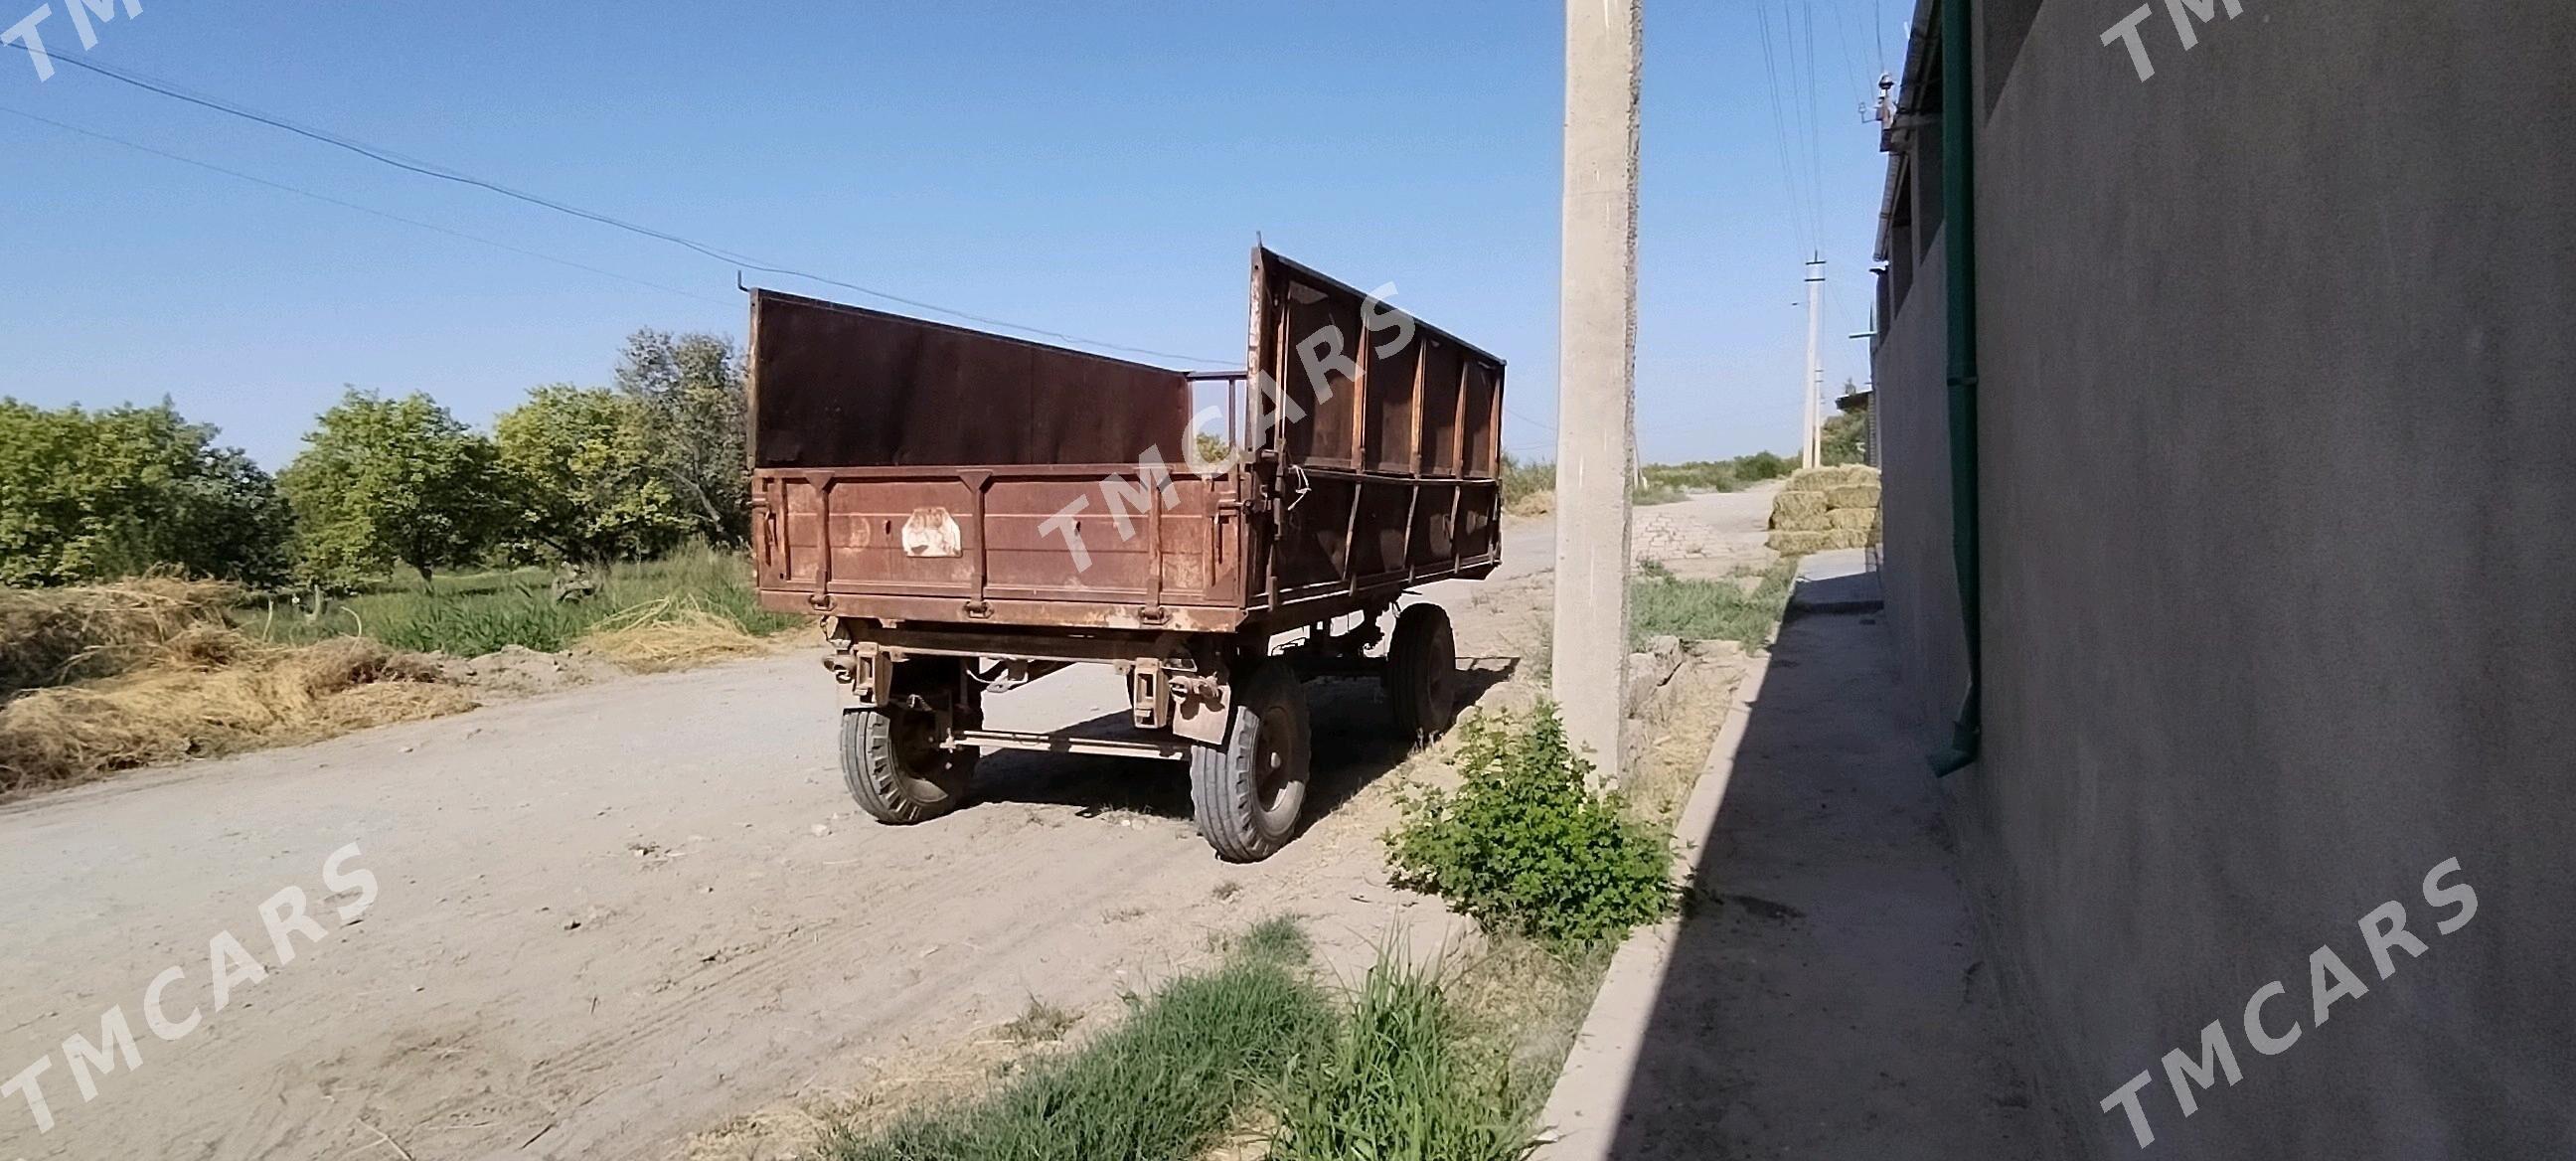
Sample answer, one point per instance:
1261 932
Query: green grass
1405 1080
468 614
1661 604
1396 1071
1169 1083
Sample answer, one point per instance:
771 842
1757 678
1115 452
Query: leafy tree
385 481
581 468
89 495
1844 433
1763 465
691 390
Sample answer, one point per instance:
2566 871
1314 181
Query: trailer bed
910 472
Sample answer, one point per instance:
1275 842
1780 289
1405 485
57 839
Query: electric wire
387 157
328 199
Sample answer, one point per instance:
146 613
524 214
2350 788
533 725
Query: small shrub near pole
1527 845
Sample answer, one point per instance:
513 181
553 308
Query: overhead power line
326 198
387 157
1800 216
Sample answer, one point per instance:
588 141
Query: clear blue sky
1094 169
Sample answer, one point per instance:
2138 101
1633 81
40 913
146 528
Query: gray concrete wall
2280 518
1922 586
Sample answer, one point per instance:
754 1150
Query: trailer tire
1249 793
1422 675
896 769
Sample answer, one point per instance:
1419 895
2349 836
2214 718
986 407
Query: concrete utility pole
1809 426
1596 443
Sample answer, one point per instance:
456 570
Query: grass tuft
1402 1078
1278 939
1661 604
1041 1023
1167 1083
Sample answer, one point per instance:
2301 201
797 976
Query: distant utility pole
1812 451
1596 443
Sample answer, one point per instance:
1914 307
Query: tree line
577 475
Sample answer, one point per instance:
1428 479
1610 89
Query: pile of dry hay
1821 508
674 632
155 675
58 636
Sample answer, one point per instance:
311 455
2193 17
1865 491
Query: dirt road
605 918
591 923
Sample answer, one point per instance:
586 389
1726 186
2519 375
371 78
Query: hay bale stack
1824 479
1800 543
1860 496
1822 508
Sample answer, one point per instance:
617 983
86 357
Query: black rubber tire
1249 794
1422 675
896 775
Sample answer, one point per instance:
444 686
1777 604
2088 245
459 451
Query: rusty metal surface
836 386
908 471
1389 481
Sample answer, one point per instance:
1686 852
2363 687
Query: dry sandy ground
604 918
591 923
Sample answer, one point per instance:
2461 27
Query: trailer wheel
1248 793
894 767
1422 675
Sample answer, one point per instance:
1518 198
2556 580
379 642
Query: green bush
1525 844
1402 1079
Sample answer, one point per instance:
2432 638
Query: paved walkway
1822 997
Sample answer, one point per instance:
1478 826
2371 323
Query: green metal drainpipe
1958 194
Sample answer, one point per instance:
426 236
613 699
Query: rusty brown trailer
912 471
932 491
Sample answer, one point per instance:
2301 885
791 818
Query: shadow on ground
1825 998
1354 745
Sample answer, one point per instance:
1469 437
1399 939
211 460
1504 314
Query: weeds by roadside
1402 1078
1252 1055
1169 1082
1527 845
1662 604
470 615
1041 1023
